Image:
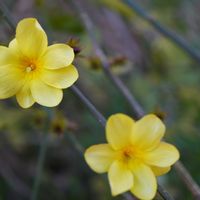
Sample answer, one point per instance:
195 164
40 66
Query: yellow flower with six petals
134 155
34 71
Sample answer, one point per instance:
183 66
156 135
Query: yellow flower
34 71
134 155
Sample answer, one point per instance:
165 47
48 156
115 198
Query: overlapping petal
24 97
31 38
145 185
58 56
163 156
148 132
60 78
44 94
158 171
120 178
14 47
118 130
11 80
100 157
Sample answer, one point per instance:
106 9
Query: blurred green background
164 79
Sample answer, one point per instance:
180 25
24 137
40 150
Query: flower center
30 67
127 153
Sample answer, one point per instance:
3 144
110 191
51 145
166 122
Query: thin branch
138 110
171 35
163 193
189 182
100 118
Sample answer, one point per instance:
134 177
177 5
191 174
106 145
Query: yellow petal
145 185
11 80
148 132
31 38
58 56
24 97
7 56
120 178
60 78
158 171
99 157
163 156
44 94
118 130
14 47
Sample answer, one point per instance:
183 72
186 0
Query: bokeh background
162 77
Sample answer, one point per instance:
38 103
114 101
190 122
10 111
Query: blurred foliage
57 20
166 82
118 6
